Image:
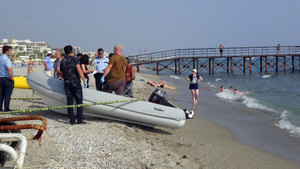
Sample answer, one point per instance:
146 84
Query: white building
26 46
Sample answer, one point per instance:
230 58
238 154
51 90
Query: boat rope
69 106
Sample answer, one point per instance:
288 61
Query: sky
155 25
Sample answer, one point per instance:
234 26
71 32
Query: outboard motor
159 97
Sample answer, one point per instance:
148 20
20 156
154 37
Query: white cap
194 70
49 52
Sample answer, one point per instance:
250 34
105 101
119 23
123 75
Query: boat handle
158 109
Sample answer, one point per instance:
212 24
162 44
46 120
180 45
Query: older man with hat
48 64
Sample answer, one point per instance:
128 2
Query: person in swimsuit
30 64
162 84
194 79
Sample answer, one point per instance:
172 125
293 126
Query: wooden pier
232 60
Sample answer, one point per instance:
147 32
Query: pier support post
231 67
138 68
250 64
213 65
244 64
227 65
284 63
194 66
157 68
260 62
209 65
276 64
179 71
175 67
266 63
293 63
197 64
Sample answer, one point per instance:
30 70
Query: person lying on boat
162 84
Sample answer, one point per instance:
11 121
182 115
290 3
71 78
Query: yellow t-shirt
117 71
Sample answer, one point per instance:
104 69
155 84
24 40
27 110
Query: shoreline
201 143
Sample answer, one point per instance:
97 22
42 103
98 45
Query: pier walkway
232 60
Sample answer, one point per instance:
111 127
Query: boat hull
139 112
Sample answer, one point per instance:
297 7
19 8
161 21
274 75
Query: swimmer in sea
222 89
235 91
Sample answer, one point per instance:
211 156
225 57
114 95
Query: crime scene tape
69 106
25 98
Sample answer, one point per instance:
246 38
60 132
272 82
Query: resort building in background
26 47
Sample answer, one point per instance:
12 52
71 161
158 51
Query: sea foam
286 125
265 76
175 77
283 122
247 101
218 79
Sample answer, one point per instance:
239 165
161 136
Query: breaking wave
283 122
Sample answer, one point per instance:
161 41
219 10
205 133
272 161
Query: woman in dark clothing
84 61
194 87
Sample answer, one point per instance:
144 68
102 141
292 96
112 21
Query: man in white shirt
101 63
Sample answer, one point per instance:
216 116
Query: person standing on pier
194 87
278 48
221 50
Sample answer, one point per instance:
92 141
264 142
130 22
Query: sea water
275 94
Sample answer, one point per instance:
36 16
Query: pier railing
153 57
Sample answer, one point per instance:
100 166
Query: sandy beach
109 144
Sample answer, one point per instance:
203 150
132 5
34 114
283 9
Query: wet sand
108 144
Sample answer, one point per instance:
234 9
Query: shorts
48 73
194 86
